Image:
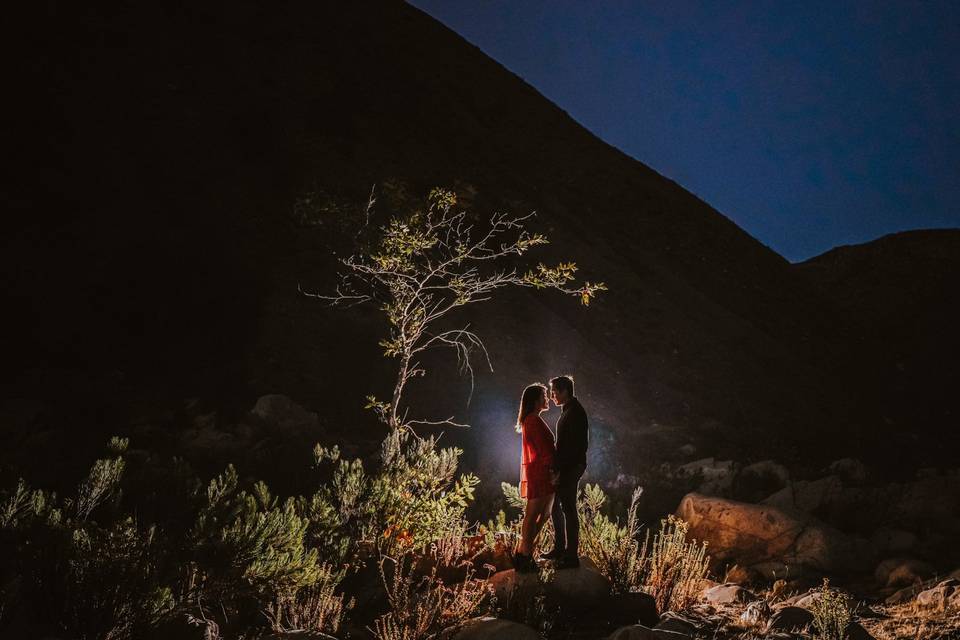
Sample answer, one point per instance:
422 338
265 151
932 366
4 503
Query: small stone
728 593
755 613
938 597
676 624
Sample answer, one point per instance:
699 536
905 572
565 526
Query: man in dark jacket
569 464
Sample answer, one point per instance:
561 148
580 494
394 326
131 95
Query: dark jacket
572 437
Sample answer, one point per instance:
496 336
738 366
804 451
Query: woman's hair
529 401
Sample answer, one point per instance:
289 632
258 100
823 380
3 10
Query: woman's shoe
523 563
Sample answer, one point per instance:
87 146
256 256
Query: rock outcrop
771 540
580 588
487 628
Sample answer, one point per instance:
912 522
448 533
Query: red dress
538 452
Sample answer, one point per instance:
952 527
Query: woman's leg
532 522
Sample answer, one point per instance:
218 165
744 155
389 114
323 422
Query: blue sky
809 124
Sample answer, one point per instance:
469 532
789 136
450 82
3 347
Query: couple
550 472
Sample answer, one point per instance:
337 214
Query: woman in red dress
536 471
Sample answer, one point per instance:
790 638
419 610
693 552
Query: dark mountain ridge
159 251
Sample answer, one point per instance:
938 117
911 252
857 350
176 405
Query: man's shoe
556 554
567 562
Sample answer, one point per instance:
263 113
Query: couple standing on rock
550 472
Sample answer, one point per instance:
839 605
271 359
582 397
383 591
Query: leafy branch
424 266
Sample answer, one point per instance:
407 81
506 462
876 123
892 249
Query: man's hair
563 383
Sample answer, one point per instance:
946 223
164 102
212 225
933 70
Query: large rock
773 541
716 475
630 608
280 411
808 496
640 632
902 572
909 593
580 588
851 470
490 629
887 540
760 479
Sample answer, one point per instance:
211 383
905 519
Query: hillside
898 297
158 254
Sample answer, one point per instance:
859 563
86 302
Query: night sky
810 124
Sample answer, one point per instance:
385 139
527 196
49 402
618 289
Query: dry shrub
676 567
831 613
421 608
615 550
314 608
913 622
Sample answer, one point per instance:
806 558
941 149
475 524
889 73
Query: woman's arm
542 442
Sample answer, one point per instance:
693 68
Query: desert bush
317 607
75 575
420 608
249 545
412 500
831 613
503 534
675 568
615 549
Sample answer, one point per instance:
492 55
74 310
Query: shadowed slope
160 255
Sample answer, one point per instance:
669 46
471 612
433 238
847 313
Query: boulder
717 475
808 496
850 470
789 618
769 538
939 596
630 608
640 632
742 575
901 572
886 540
760 479
488 628
280 411
579 588
729 593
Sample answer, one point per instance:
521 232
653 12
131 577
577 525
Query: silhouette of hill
898 297
164 149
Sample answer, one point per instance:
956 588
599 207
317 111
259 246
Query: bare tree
424 266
